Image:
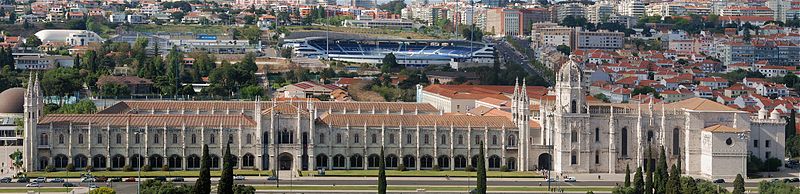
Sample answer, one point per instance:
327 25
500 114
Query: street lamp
138 162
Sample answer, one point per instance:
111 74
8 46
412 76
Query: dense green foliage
382 174
627 175
84 106
777 187
157 187
226 179
389 63
394 6
103 190
203 183
482 187
738 184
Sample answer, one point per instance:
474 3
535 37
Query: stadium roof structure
383 40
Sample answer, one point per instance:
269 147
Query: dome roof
13 100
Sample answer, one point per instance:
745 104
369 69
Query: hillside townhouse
713 82
776 71
766 88
676 95
737 90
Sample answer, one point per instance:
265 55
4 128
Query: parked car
719 181
177 179
23 180
88 179
115 179
130 179
93 186
794 180
570 179
40 180
272 178
161 178
68 184
101 179
238 177
57 180
549 180
5 180
34 184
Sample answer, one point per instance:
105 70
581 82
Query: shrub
243 189
103 190
164 167
503 168
127 168
772 165
89 168
299 173
147 168
50 168
401 167
436 167
70 167
469 168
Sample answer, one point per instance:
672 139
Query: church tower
570 131
33 112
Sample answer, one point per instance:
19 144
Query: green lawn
25 190
429 173
63 174
428 188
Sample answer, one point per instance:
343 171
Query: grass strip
26 190
427 188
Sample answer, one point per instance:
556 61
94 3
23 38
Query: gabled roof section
99 120
371 120
719 128
701 104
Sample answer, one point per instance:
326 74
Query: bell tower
570 89
570 133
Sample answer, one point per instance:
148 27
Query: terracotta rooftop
132 107
701 104
356 120
481 91
719 128
151 120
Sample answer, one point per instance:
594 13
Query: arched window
408 138
426 162
249 139
248 161
573 158
512 141
356 161
573 107
373 161
80 161
60 138
374 138
597 135
155 138
230 138
494 139
443 161
322 161
215 161
136 138
391 138
212 139
99 138
460 139
425 139
175 138
460 162
477 139
80 138
676 141
511 163
391 161
409 161
193 161
597 157
443 140
174 161
494 161
574 136
118 161
338 138
338 161
321 138
356 138
99 161
155 161
649 136
43 139
119 138
624 141
194 139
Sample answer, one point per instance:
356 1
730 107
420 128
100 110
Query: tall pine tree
738 184
203 183
382 174
226 180
481 188
662 174
674 181
627 175
638 181
791 127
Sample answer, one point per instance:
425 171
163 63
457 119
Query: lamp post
138 162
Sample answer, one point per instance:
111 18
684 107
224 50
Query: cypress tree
203 183
738 185
662 173
382 174
226 180
791 127
638 181
674 181
481 188
627 175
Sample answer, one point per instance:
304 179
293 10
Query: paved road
130 187
509 53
